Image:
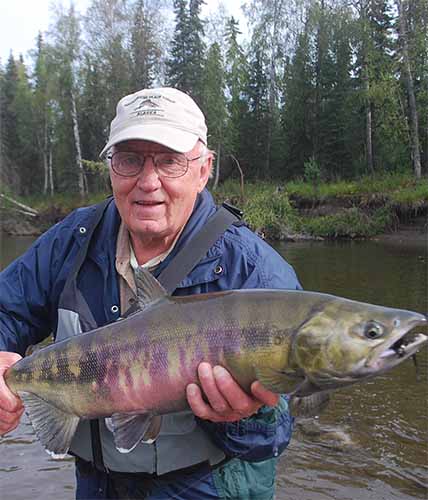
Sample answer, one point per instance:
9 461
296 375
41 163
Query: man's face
158 207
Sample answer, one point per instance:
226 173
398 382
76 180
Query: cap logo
147 103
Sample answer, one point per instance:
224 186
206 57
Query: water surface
370 443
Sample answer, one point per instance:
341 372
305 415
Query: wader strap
198 246
97 451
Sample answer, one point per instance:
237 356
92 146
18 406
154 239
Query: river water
371 443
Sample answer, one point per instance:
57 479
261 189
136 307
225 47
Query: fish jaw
398 348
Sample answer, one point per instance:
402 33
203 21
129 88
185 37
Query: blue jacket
30 288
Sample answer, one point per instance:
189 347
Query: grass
364 208
350 223
396 188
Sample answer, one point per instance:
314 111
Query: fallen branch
27 210
13 209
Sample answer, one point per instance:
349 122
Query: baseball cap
163 115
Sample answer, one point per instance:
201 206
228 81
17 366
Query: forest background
314 90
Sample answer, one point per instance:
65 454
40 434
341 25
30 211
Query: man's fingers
8 400
266 397
203 410
237 398
209 386
9 421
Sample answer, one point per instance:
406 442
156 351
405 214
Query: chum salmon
300 343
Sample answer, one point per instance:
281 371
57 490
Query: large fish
295 342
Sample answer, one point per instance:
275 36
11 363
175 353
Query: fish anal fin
54 427
130 429
153 430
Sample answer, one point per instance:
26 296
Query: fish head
347 341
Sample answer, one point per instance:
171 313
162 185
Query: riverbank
391 207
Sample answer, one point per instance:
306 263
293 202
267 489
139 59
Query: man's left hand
224 400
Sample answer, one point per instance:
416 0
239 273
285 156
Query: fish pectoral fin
309 406
130 429
275 381
54 427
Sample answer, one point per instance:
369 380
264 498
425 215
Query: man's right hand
11 407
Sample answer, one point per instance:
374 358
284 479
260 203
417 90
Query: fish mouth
402 345
406 346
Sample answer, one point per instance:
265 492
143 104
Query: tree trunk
413 112
272 92
363 6
369 127
241 173
317 106
50 175
80 171
217 168
45 159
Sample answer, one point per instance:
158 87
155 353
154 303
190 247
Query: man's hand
11 407
227 402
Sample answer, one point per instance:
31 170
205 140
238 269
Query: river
371 443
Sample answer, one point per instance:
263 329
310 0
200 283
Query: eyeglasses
129 164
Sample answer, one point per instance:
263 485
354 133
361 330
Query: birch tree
403 7
66 42
42 104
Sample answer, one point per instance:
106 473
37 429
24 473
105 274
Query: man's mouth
148 203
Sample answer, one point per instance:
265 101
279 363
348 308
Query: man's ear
205 171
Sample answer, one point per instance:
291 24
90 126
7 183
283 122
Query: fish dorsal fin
280 382
54 427
309 406
148 287
130 429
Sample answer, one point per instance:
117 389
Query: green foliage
290 100
312 172
396 189
213 100
350 223
269 212
97 174
185 65
266 208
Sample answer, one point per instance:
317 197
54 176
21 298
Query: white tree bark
50 172
402 6
80 171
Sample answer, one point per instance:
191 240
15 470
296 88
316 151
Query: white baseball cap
166 116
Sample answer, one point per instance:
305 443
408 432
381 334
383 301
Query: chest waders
93 442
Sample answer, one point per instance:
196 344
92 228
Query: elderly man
80 274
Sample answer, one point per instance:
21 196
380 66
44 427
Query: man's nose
148 177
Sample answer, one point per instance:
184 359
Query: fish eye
373 330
